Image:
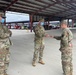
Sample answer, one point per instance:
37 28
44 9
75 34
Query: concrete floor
22 54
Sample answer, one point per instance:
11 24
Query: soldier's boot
68 74
5 74
63 73
41 62
71 73
34 63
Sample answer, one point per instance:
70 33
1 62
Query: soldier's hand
51 36
70 45
10 33
47 35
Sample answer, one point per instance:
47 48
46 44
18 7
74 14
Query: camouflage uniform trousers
66 56
38 49
4 60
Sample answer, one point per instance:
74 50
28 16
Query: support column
60 22
72 23
31 22
48 24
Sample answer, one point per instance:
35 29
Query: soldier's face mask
63 26
42 23
2 20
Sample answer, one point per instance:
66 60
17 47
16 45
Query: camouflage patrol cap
41 19
64 22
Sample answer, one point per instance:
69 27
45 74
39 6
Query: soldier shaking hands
66 48
39 42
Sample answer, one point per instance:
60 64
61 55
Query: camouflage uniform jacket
66 38
5 33
39 34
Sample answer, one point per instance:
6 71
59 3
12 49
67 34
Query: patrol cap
64 22
41 20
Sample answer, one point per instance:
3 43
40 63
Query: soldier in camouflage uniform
5 43
39 42
66 48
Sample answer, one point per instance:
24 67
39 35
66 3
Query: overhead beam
74 11
71 14
62 12
10 5
54 0
45 7
42 2
16 8
22 3
4 2
21 6
68 12
49 5
34 3
21 10
74 17
72 8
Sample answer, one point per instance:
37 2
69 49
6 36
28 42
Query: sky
14 16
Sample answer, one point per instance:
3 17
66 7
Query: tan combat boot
71 73
34 63
41 62
5 74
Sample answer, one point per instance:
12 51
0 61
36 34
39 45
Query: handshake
47 35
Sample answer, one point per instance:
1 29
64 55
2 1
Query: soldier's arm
36 31
44 34
57 37
70 37
4 35
64 35
7 30
10 32
64 38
